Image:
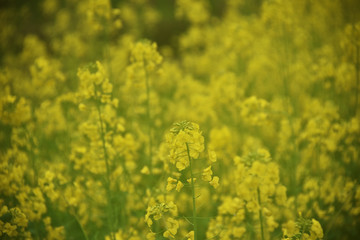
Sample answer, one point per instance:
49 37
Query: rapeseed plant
186 143
90 88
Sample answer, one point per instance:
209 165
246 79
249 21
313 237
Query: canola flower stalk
108 190
357 67
193 193
186 143
260 214
149 120
98 88
146 60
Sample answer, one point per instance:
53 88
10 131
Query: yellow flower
289 228
156 211
179 186
265 155
171 184
183 137
189 180
181 165
82 107
19 218
148 220
150 236
172 226
207 174
10 230
212 156
145 170
316 229
237 232
190 235
215 182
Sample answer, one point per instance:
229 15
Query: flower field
179 119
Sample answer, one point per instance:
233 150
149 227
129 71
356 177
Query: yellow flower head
207 174
215 182
184 139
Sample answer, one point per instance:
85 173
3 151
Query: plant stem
357 79
32 157
148 118
81 227
193 193
107 180
285 74
102 134
260 215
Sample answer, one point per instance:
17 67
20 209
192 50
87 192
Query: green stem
32 157
74 215
260 215
287 104
102 135
335 216
357 79
193 192
148 118
81 227
107 180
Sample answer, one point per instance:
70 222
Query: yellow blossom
171 184
179 186
316 229
212 156
190 235
145 170
207 174
215 182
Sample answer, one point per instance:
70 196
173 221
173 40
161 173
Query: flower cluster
185 139
159 209
13 223
257 198
303 229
